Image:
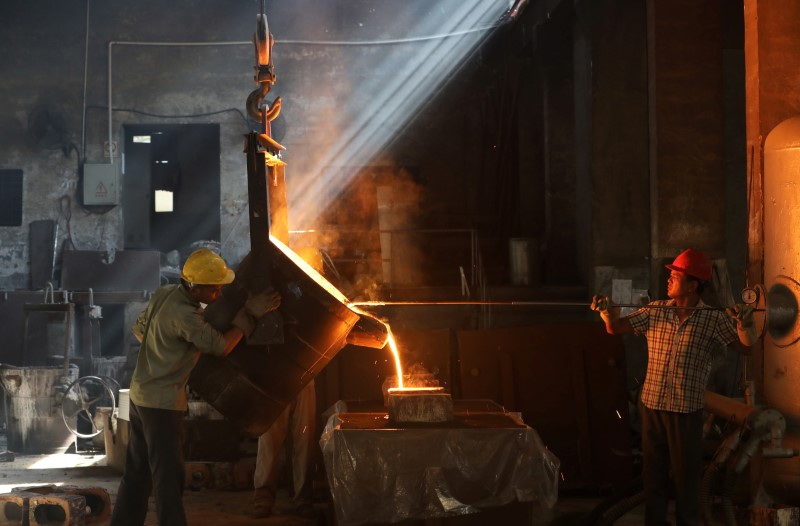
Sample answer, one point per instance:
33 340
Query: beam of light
62 461
407 73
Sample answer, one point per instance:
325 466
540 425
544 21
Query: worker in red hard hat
682 340
173 333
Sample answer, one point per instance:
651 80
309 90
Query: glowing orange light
421 389
396 353
311 271
336 293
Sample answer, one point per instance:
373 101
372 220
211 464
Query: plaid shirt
680 354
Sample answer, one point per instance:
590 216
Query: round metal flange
81 400
782 308
760 305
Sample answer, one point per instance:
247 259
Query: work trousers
297 422
154 463
672 440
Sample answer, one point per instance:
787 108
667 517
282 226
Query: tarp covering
381 473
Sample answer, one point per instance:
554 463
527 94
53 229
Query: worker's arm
610 315
745 327
244 323
232 338
139 325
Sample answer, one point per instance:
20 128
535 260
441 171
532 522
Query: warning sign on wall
100 184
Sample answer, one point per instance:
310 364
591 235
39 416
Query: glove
600 303
603 305
263 302
743 314
244 321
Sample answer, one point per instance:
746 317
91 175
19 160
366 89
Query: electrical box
100 184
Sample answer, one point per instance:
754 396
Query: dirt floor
210 507
216 507
203 507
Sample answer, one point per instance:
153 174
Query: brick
197 475
39 490
63 509
420 407
98 502
223 475
14 508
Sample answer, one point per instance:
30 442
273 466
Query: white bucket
124 405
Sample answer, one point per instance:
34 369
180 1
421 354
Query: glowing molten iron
336 293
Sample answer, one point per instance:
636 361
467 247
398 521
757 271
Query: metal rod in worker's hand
523 304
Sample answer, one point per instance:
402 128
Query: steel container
253 384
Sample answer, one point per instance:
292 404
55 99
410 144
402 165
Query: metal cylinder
781 268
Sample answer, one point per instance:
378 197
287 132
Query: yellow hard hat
204 267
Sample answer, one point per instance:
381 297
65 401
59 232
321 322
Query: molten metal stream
397 365
328 286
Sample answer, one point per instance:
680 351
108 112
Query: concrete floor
209 507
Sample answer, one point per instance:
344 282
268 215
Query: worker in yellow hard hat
683 335
173 333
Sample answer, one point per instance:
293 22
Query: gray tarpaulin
381 473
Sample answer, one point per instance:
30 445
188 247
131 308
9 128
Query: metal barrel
35 424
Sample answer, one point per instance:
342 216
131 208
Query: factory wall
48 46
586 124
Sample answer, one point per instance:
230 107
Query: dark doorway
179 163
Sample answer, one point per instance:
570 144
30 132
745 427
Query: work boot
263 502
262 510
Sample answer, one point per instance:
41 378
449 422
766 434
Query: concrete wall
43 45
564 126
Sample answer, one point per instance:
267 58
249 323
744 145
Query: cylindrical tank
253 384
781 271
34 419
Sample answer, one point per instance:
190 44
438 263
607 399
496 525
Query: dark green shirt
175 338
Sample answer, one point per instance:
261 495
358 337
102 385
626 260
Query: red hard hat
693 263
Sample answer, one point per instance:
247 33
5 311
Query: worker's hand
263 302
244 321
600 303
604 307
743 314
